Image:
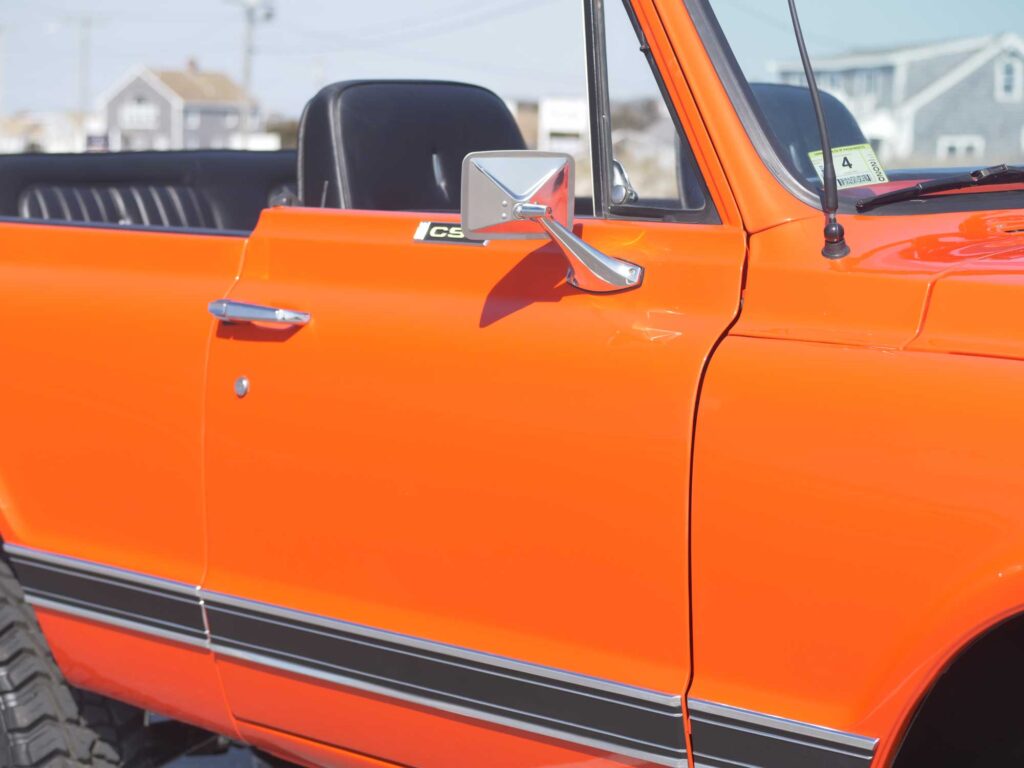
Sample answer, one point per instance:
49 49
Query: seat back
790 115
397 144
204 189
152 205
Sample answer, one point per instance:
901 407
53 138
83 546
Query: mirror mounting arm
589 269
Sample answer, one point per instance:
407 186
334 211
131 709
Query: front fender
857 520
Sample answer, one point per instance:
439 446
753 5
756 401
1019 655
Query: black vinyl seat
151 205
397 144
789 114
189 190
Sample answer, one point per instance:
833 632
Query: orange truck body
762 483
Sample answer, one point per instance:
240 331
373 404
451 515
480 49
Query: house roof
196 85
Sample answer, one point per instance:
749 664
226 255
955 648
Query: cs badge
442 232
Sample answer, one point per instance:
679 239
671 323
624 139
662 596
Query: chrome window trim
735 84
599 122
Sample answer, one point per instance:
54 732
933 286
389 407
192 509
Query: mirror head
501 192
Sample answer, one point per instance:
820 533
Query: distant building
954 103
51 132
563 125
553 124
182 109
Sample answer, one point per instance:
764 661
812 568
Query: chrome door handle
239 312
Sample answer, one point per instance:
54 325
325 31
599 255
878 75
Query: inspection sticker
856 166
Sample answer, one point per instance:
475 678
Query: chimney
192 65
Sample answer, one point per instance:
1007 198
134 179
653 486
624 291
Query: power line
782 24
84 25
427 28
360 33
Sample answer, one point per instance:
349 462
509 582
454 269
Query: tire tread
45 723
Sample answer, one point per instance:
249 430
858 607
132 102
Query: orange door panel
104 339
461 487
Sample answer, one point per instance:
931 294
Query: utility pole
2 68
255 12
84 25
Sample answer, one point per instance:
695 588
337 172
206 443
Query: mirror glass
494 182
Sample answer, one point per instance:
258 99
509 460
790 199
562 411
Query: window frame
960 142
139 114
1013 65
599 104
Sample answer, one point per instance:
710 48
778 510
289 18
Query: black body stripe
109 593
724 737
510 694
594 713
561 705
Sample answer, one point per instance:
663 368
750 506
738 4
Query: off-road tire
44 722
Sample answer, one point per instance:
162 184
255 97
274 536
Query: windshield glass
911 90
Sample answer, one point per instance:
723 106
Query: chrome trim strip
119 574
106 618
599 714
781 724
167 608
575 678
430 673
594 743
724 736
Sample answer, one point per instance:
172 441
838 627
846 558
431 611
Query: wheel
44 722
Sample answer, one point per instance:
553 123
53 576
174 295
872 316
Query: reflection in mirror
526 195
493 183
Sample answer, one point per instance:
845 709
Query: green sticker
856 166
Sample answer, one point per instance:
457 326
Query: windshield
911 90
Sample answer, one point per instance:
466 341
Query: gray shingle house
177 109
959 102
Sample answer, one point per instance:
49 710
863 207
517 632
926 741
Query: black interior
381 145
392 145
788 112
219 190
367 144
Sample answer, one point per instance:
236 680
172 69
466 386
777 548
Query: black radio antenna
835 236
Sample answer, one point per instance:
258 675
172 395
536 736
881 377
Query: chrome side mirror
529 195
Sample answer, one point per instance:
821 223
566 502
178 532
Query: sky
520 48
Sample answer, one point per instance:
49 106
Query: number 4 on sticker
856 166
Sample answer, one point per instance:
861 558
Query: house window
860 83
231 120
139 115
1009 79
193 120
967 148
870 81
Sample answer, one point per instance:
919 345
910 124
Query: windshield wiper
997 174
